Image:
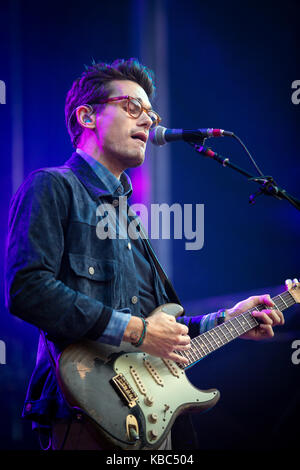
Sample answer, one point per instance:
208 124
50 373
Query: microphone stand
267 184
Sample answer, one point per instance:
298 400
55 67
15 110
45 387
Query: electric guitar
132 398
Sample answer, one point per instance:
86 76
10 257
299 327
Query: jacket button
115 203
91 270
129 246
134 299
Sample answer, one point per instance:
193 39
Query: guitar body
137 410
131 398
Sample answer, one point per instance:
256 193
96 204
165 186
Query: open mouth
140 136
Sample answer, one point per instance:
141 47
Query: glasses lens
154 118
134 108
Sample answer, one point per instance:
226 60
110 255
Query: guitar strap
170 291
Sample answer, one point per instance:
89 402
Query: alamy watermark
296 354
160 222
2 92
2 352
296 94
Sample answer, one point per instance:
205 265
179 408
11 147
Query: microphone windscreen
157 135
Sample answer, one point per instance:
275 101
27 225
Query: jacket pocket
96 278
92 268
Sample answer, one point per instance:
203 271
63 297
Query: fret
207 347
290 298
210 333
194 348
207 339
225 326
222 331
206 343
199 353
279 303
252 321
283 301
191 351
246 319
189 356
219 339
201 344
232 328
236 325
241 324
286 298
183 354
198 345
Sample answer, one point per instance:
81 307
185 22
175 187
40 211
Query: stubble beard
128 158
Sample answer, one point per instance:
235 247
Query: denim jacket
63 279
60 276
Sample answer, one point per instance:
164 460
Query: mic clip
268 187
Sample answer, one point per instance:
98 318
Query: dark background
230 65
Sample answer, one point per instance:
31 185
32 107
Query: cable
248 153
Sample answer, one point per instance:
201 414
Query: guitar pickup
125 390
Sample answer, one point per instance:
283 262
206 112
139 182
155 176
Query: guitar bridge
125 390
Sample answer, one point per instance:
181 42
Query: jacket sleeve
199 324
35 246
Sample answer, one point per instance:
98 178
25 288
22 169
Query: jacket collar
94 185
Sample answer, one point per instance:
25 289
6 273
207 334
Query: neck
93 150
222 334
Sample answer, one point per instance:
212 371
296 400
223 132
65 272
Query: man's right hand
163 336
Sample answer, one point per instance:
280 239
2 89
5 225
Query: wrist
133 330
140 341
223 315
229 314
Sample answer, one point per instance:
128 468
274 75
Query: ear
86 116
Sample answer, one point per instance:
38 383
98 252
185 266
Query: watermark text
2 352
2 92
296 94
161 222
296 353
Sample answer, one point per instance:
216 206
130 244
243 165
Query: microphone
161 135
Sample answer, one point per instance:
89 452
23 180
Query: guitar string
280 304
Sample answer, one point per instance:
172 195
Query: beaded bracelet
221 316
140 341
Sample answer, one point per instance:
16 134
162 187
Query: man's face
121 137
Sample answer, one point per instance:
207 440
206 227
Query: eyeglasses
135 108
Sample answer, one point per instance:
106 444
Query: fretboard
222 334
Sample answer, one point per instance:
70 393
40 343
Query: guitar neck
222 334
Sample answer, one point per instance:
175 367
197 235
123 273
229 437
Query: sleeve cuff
201 323
116 327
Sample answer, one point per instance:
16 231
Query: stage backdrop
230 65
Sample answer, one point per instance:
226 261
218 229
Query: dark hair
94 85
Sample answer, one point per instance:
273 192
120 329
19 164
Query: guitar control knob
152 434
148 400
153 418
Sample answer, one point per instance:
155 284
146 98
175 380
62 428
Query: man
73 284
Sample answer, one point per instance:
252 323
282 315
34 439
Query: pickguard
162 390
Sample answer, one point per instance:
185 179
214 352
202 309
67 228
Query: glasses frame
129 98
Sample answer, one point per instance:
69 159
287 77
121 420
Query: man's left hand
267 318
